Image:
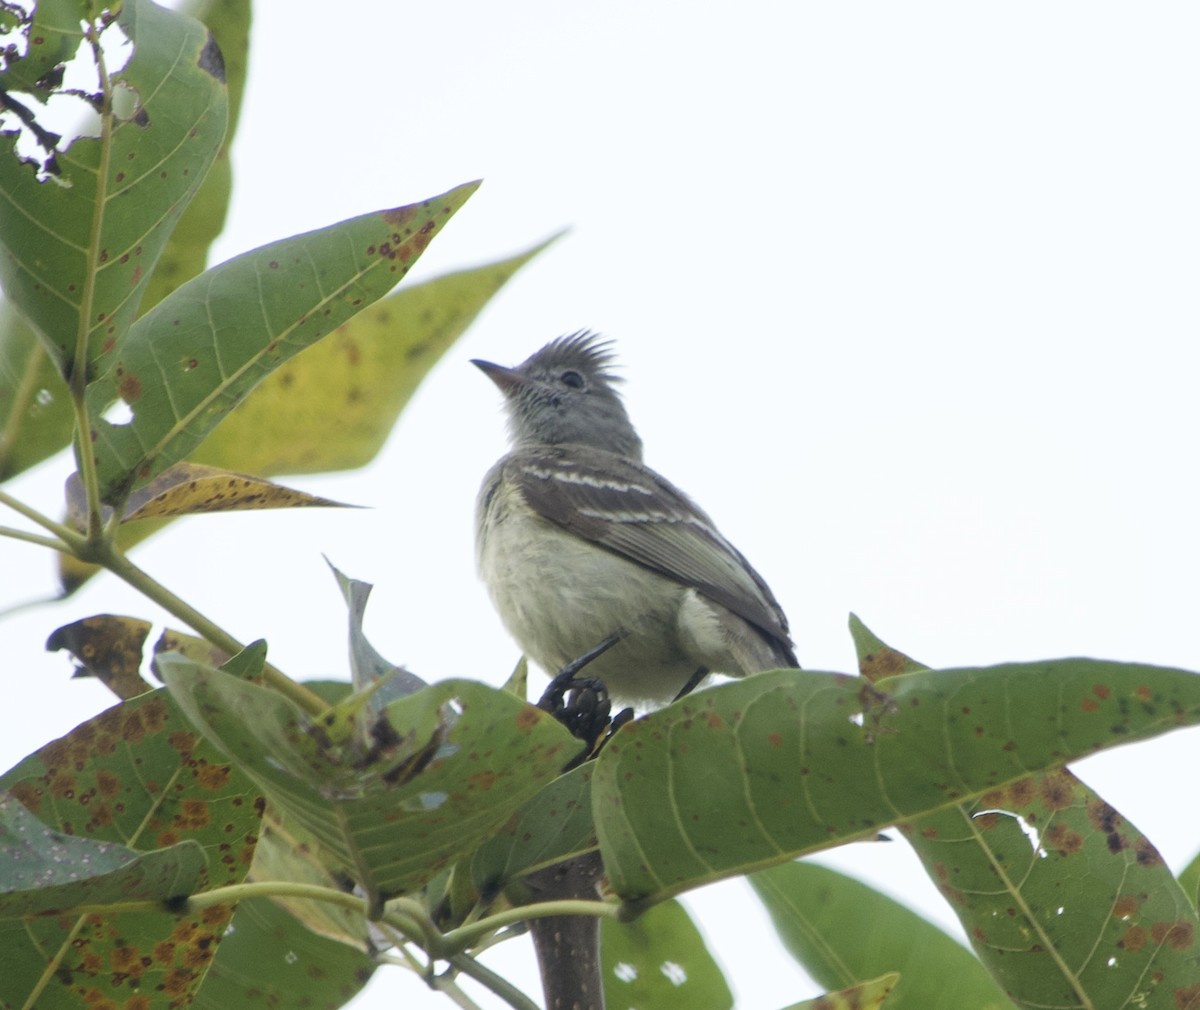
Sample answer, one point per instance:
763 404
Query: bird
581 545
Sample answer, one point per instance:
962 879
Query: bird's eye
572 379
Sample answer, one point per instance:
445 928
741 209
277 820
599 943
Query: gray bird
577 539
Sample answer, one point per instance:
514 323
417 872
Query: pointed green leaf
368 669
660 960
749 774
333 406
842 931
89 242
186 363
43 870
453 762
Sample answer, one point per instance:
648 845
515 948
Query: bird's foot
582 704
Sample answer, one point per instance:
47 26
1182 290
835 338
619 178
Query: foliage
200 839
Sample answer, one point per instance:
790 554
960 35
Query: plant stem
498 984
104 553
71 540
461 938
77 380
33 538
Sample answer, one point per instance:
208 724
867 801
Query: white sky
906 299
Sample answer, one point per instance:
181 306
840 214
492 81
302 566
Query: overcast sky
906 299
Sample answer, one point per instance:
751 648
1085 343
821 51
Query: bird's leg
583 705
692 683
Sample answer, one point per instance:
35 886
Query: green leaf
554 825
368 669
139 776
842 931
36 419
186 363
660 960
753 773
286 851
333 406
1064 900
187 252
1189 880
43 870
452 763
271 960
1084 912
91 243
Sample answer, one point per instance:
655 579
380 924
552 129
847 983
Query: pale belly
564 596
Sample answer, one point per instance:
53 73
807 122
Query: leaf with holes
79 247
186 363
446 767
753 773
36 419
660 960
137 775
1063 899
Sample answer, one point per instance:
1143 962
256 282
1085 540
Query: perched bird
577 540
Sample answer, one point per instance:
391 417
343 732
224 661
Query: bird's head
565 393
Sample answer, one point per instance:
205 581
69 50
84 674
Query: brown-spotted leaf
43 870
191 359
190 488
109 647
446 767
200 650
138 775
193 488
1064 900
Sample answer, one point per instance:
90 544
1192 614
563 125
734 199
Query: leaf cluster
202 837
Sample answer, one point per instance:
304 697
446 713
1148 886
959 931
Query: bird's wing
630 510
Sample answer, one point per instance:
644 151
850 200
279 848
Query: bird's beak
508 379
